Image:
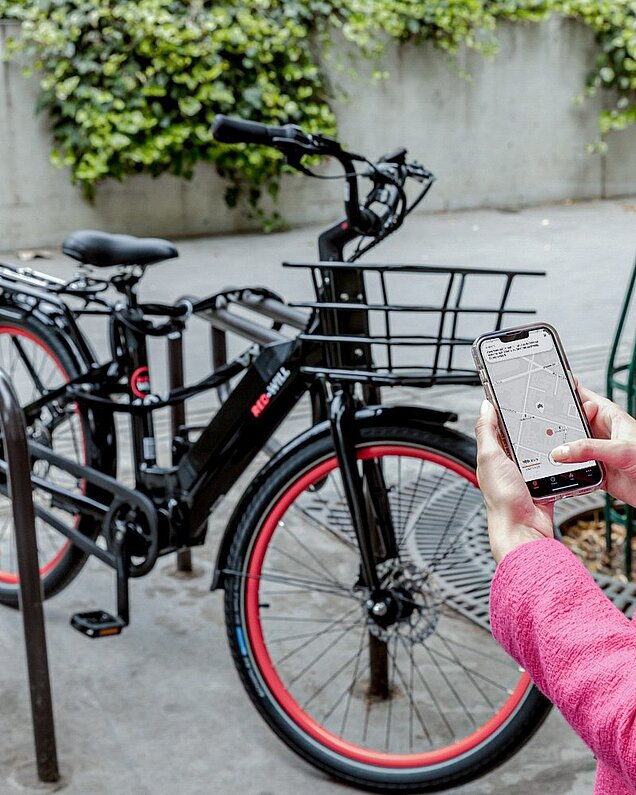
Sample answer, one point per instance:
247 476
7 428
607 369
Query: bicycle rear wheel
37 362
416 703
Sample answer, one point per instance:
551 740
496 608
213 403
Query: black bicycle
355 566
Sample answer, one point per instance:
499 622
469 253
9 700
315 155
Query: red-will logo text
272 389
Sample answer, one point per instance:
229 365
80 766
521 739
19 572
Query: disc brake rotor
420 599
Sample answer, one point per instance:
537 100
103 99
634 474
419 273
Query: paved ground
159 710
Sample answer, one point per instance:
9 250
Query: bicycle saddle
105 250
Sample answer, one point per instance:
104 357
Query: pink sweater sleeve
551 617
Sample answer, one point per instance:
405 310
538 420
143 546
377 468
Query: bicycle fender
56 317
58 321
367 416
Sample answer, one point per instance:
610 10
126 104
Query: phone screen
538 407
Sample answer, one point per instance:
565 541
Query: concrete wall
508 137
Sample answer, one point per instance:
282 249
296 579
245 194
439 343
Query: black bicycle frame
169 507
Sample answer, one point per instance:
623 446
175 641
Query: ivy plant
134 85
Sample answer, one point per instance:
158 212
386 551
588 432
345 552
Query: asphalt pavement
159 710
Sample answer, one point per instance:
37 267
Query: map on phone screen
535 400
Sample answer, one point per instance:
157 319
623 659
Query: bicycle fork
367 499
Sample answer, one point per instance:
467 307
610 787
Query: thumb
490 454
486 430
615 453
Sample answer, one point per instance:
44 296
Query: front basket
404 324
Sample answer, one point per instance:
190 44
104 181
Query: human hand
513 518
614 445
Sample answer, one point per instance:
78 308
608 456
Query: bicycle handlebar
391 171
228 130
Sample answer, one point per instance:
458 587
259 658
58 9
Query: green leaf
189 106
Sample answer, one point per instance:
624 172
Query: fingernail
485 408
562 451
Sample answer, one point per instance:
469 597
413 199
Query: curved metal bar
30 591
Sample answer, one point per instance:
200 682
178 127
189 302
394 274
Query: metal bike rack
621 377
223 321
30 591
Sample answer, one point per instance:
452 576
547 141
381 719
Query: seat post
177 421
136 365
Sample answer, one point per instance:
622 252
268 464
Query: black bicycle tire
74 559
507 742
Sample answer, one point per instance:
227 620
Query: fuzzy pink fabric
551 617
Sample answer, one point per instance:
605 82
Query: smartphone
526 376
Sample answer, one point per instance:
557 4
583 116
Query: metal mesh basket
406 324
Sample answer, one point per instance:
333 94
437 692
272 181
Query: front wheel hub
409 606
386 607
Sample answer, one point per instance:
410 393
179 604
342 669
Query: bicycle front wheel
418 699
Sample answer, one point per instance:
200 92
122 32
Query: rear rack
414 324
42 285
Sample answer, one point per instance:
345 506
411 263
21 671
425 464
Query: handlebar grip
229 130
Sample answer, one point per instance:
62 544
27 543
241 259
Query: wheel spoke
389 711
431 493
319 656
508 662
329 628
306 514
354 681
311 554
316 572
412 701
331 678
305 635
29 367
450 686
300 583
448 525
470 671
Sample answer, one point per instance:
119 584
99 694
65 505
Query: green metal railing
622 378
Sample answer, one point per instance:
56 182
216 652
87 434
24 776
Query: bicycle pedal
97 623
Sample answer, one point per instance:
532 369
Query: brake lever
295 150
417 172
293 159
386 174
312 144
